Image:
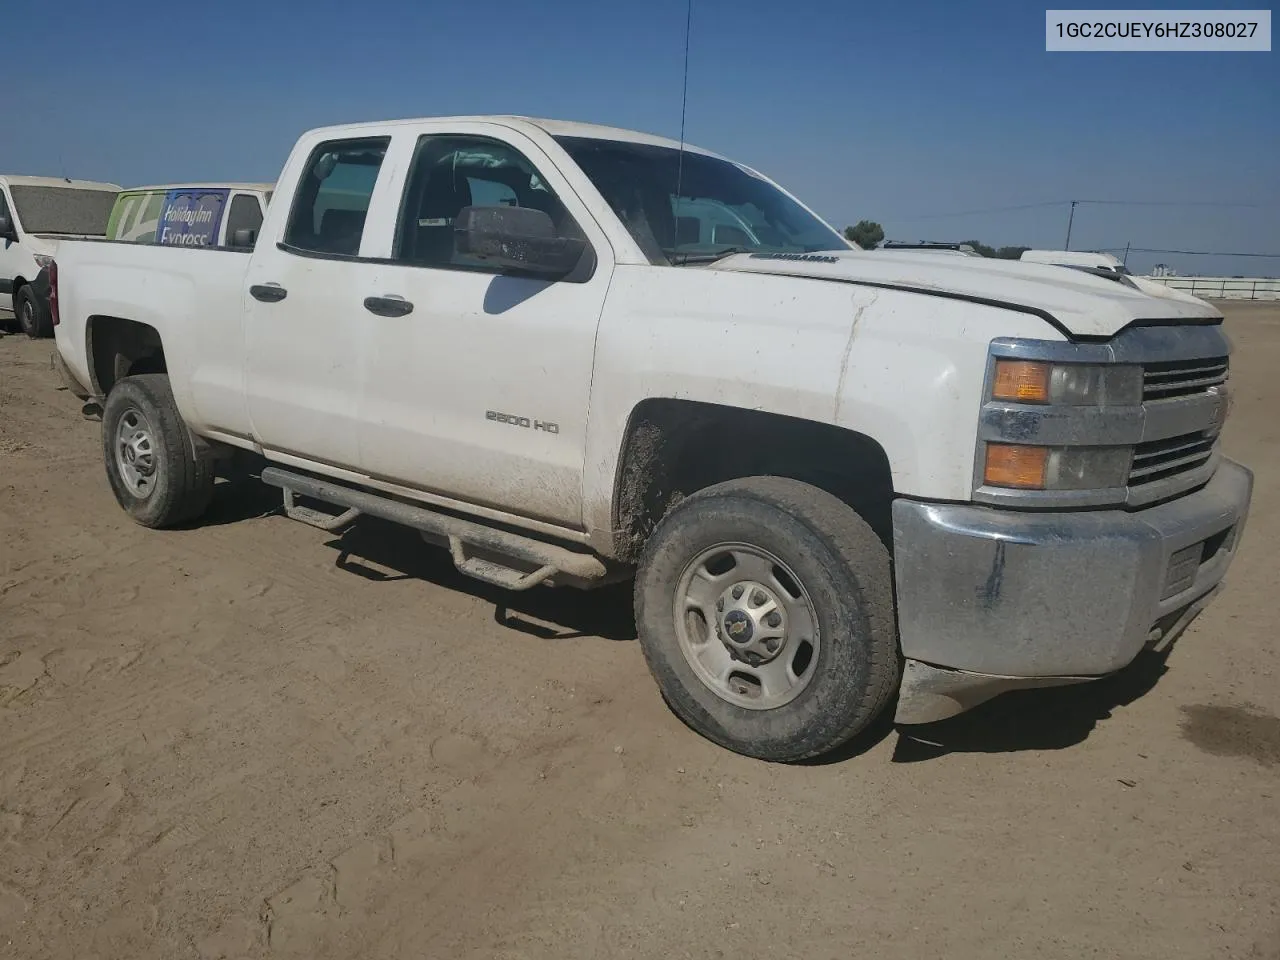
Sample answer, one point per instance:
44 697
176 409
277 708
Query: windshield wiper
680 259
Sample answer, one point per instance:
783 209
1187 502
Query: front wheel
155 474
765 611
33 317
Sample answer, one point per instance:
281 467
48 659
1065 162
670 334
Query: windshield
719 207
63 209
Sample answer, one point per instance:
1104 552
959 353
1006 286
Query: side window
452 172
333 196
245 214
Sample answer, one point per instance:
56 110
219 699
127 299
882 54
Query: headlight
42 260
1027 467
1071 384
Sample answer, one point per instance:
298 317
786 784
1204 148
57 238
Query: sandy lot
254 739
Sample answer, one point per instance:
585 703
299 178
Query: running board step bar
548 559
315 518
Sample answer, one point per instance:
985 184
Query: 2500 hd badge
516 421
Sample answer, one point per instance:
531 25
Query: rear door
306 327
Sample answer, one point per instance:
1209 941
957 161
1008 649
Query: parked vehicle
836 475
35 213
191 214
1080 259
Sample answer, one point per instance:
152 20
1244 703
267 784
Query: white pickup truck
836 476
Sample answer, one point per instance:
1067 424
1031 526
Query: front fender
914 376
905 369
734 340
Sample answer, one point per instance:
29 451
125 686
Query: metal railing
1225 288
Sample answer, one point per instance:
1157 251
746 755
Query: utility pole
1067 246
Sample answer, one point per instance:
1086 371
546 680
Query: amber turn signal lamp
1015 465
1025 381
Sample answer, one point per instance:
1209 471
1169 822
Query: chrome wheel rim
135 449
28 317
747 626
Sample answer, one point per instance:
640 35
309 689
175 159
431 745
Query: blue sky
897 112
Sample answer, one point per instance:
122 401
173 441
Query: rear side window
333 196
245 214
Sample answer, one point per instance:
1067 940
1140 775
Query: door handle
268 293
388 306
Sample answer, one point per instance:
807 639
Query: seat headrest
340 230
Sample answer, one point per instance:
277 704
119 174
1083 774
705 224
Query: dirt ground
254 739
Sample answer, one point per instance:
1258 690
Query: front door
481 392
305 323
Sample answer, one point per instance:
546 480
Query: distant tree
981 248
865 233
1011 253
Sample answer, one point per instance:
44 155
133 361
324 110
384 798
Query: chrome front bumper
991 600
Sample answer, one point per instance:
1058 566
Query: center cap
738 627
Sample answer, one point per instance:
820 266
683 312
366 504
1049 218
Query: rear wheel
155 474
32 315
765 611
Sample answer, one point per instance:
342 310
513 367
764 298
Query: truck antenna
684 103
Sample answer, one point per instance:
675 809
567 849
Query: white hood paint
1083 304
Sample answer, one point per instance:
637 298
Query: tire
162 482
33 316
830 577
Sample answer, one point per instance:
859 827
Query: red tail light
53 292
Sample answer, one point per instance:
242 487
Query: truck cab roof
554 128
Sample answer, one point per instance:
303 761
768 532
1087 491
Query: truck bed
202 287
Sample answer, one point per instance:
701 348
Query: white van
35 213
1080 259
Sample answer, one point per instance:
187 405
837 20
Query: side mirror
517 239
7 232
244 237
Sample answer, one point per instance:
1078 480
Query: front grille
1157 459
1180 378
1177 382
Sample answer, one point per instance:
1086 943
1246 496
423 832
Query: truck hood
1080 304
